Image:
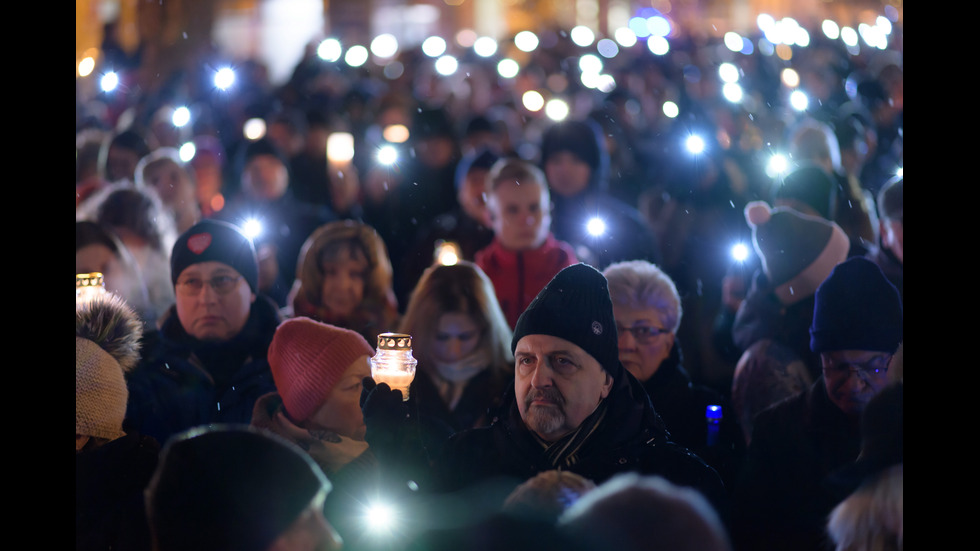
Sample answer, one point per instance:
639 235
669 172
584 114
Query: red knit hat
307 358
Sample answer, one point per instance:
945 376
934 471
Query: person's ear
606 384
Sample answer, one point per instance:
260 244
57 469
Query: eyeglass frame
651 332
196 290
864 370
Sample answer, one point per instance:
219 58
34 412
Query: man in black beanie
226 488
574 406
207 362
783 499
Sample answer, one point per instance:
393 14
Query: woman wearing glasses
648 312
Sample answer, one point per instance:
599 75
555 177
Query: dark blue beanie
856 308
575 306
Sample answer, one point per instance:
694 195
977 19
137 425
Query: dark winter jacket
782 500
682 405
183 382
109 484
518 276
481 399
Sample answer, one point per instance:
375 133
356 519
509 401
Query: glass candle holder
88 286
393 363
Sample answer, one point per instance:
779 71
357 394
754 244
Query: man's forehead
547 344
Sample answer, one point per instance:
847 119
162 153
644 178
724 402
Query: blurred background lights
639 27
466 37
508 68
532 100
670 109
732 92
387 155
607 48
395 133
849 36
798 100
254 129
626 37
658 45
694 144
790 77
830 29
728 72
329 50
356 56
187 152
777 165
181 117
340 147
883 24
658 26
434 46
224 78
765 22
86 66
582 36
595 227
384 45
733 41
740 252
446 65
606 83
252 228
590 63
556 109
485 46
109 81
526 41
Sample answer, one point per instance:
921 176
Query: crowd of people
224 397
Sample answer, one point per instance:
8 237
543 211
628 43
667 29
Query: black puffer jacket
183 382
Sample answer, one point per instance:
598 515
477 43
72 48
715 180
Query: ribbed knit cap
810 185
107 342
307 358
213 240
797 251
226 488
856 308
575 306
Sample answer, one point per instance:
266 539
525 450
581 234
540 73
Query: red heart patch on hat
199 242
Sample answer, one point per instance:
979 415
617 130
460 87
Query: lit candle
88 286
393 363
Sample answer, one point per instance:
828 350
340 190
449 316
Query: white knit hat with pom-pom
797 251
107 342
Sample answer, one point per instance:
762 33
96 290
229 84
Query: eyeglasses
222 284
643 334
865 370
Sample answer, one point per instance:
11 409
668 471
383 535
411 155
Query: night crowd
595 369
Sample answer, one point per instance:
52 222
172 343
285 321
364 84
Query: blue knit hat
856 308
575 306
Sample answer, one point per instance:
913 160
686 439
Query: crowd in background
351 248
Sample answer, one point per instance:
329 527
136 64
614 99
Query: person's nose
208 294
455 346
543 375
626 340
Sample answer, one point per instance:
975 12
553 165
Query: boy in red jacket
524 255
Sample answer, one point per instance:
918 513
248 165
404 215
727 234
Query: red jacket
518 276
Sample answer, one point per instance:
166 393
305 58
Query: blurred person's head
344 266
648 313
518 204
434 137
456 323
631 512
471 184
120 154
236 488
164 171
572 157
318 369
547 495
286 129
265 174
136 215
214 270
99 250
208 168
857 328
808 189
891 216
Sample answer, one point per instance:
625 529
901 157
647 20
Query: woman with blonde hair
462 342
344 278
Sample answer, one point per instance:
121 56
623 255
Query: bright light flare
526 41
582 36
778 164
384 45
658 45
187 152
728 72
329 50
181 117
434 46
695 144
508 68
387 155
740 252
596 227
732 92
485 46
733 41
447 65
395 133
626 37
556 109
830 29
252 228
798 100
532 100
254 129
380 517
670 109
86 66
109 81
224 78
340 147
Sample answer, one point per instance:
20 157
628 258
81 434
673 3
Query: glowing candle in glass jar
393 363
88 286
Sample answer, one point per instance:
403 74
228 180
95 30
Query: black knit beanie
575 306
577 137
214 240
811 186
856 308
229 488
